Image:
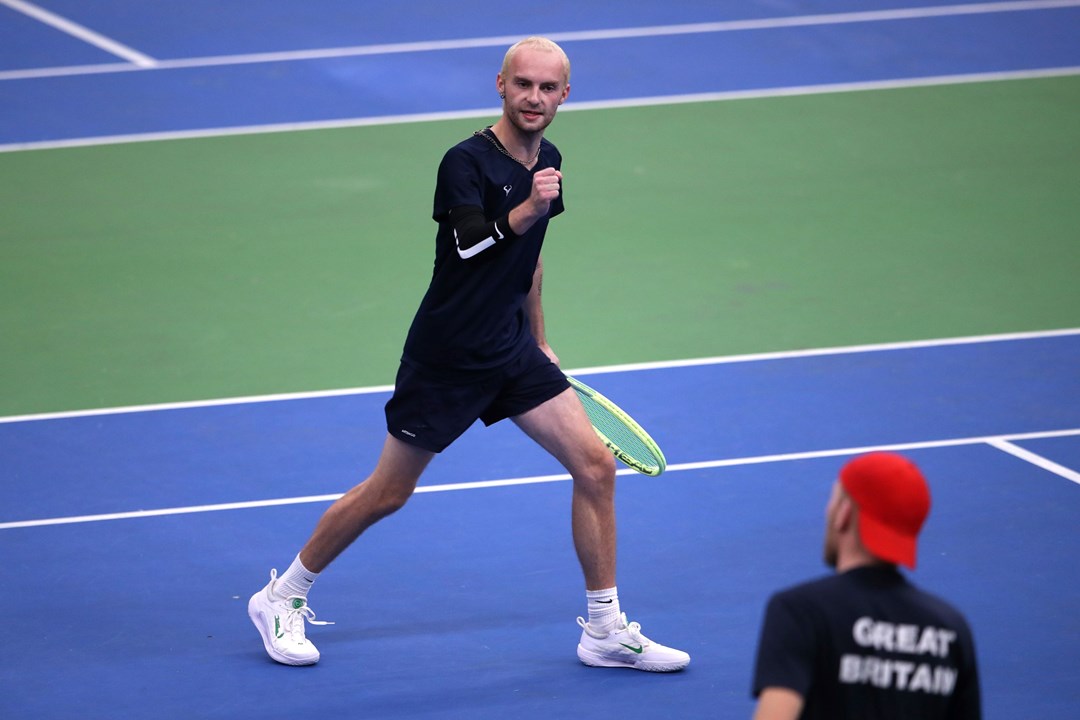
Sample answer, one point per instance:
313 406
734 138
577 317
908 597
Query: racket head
622 435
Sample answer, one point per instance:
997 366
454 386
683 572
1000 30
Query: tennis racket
627 440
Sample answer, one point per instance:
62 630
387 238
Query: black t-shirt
472 317
868 645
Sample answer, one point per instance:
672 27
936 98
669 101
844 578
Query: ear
500 86
844 519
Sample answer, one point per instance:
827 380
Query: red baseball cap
893 500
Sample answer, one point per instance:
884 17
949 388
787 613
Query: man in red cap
865 643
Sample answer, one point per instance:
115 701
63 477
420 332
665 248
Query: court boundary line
595 370
143 62
1026 455
653 101
1003 443
138 60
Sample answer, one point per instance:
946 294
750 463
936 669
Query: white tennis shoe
280 622
626 647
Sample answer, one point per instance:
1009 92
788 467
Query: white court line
629 367
818 352
185 405
83 33
793 91
626 33
1000 441
892 15
1035 459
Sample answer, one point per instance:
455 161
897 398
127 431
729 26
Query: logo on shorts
406 432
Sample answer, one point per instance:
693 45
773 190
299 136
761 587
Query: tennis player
866 644
477 349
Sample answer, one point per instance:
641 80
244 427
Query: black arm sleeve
474 233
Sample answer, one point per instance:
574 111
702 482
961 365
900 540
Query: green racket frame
652 466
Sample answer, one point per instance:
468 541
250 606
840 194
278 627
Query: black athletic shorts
430 410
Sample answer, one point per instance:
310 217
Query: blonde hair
537 43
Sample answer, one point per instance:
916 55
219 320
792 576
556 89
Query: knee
390 498
375 498
596 474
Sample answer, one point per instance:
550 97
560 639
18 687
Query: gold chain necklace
504 151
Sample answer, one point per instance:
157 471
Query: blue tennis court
125 70
138 535
134 536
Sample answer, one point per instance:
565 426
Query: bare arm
547 184
534 310
776 703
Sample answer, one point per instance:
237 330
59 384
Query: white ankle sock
297 580
603 608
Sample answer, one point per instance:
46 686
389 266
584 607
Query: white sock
603 608
297 580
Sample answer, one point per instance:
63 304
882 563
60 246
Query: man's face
535 85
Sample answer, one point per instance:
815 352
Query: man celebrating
477 350
865 644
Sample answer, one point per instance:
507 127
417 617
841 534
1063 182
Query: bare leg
561 427
384 492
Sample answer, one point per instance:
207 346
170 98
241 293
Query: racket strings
616 431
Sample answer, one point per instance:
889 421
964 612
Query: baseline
1002 442
627 367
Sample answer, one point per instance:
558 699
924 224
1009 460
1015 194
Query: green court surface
195 269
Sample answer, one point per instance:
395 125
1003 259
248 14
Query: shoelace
298 612
294 619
